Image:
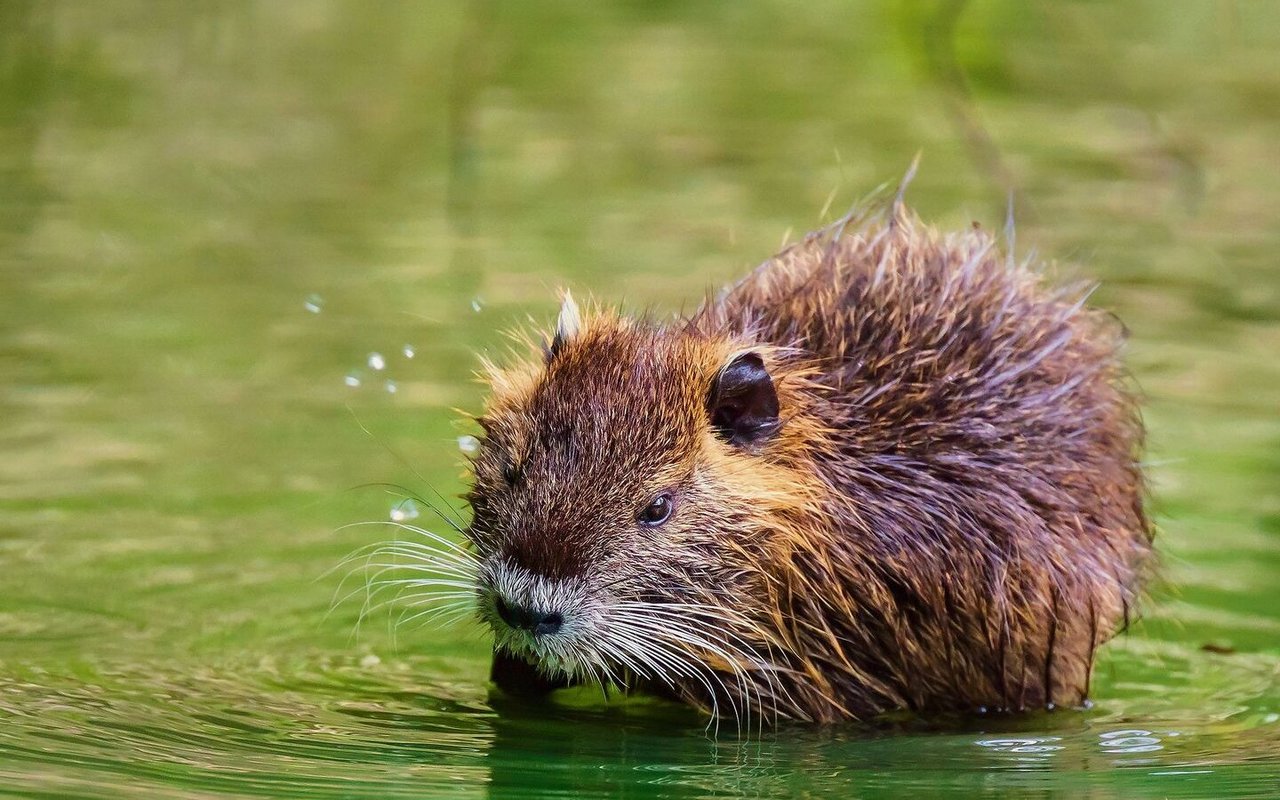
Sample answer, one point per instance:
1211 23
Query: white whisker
434 537
433 578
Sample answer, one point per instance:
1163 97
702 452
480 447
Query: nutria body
889 469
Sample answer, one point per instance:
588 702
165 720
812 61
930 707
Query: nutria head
626 497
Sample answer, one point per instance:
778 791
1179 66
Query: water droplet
404 510
477 303
314 303
391 387
409 351
376 361
352 380
469 445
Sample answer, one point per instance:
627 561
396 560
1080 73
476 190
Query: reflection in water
1027 750
647 754
1134 741
372 728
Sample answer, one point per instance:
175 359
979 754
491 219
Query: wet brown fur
949 518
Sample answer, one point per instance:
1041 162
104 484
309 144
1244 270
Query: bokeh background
212 214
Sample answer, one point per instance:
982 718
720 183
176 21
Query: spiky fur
950 517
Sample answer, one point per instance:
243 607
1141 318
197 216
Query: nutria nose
535 622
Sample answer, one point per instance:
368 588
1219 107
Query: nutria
889 469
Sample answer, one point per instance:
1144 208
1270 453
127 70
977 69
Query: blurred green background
178 182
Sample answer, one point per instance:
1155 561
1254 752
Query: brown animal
889 469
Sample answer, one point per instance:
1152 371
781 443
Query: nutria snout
889 469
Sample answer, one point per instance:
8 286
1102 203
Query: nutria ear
568 324
743 403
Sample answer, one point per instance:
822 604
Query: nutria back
889 469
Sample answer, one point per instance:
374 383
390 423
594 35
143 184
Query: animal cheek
669 536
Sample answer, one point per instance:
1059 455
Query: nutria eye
512 473
657 512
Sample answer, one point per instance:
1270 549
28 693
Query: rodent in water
888 469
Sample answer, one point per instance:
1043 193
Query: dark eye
512 473
657 512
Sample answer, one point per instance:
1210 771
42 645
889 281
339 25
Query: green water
180 445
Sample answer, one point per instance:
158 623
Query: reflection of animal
888 469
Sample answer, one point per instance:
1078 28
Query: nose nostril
506 613
550 623
534 622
